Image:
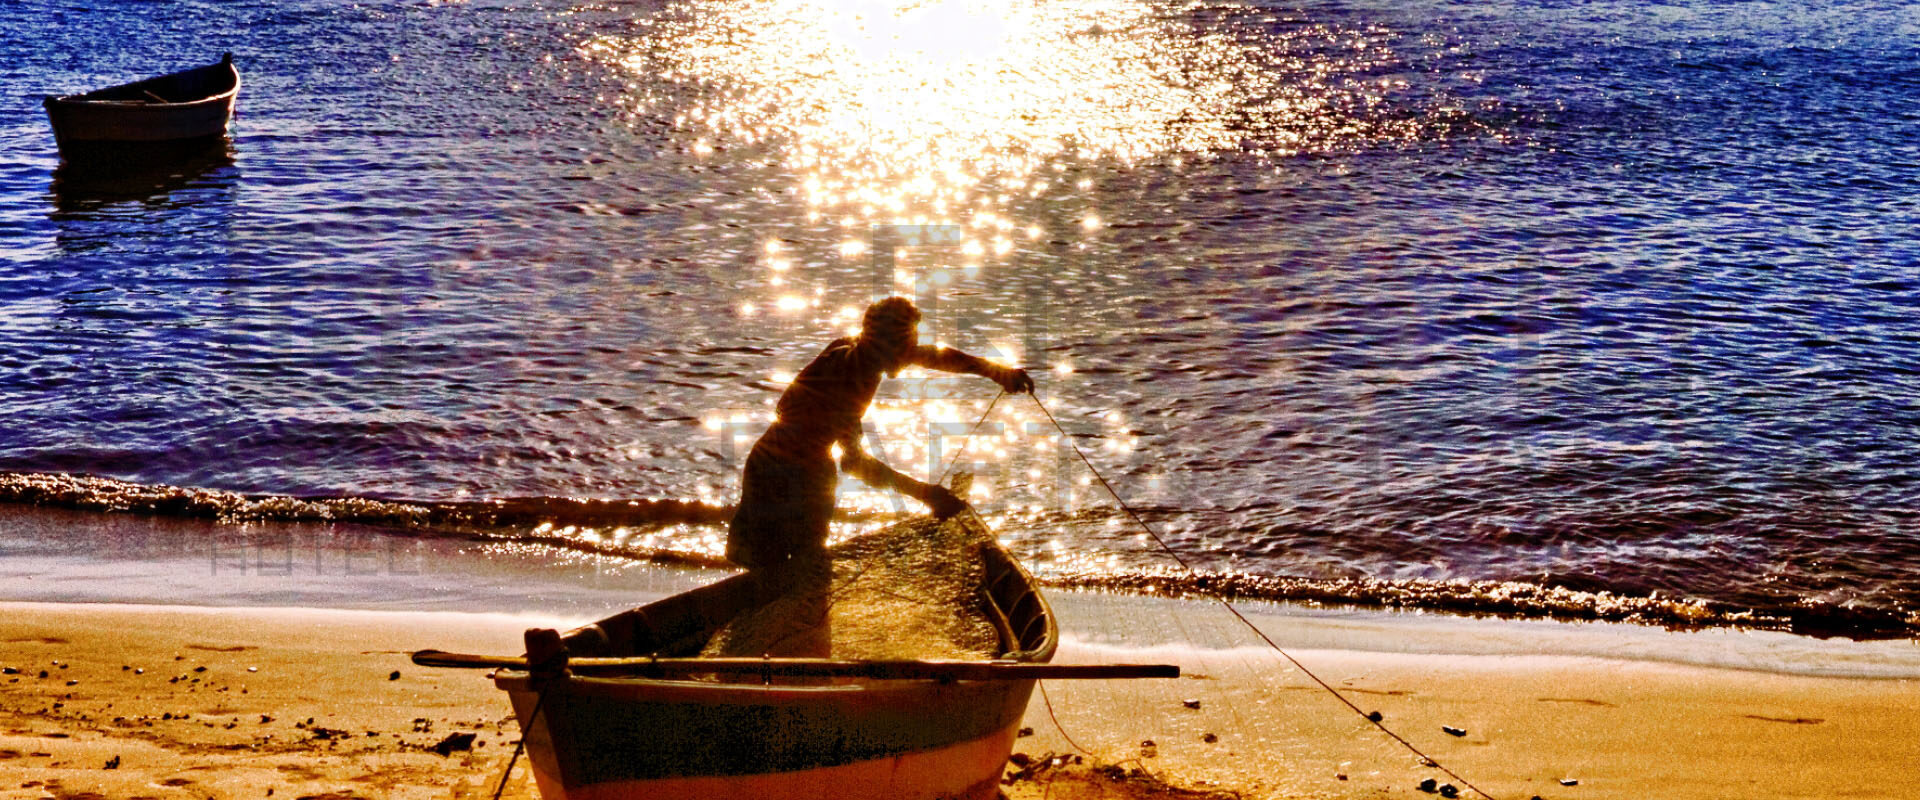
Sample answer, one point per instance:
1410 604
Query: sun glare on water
893 108
970 115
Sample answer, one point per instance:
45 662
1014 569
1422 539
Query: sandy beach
133 701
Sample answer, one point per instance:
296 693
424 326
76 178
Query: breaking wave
633 529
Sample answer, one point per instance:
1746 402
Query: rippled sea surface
1596 296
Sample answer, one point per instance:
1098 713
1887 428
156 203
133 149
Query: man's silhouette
787 489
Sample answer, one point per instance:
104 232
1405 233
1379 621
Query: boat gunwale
663 689
1000 565
87 99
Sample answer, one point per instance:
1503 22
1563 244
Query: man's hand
1017 382
944 503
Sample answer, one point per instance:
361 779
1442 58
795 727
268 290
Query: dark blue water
1597 296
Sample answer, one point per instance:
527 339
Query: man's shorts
785 506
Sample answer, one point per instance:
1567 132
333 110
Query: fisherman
787 490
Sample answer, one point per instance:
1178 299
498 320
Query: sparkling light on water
944 110
1410 291
962 113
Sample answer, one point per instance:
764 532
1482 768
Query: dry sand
166 702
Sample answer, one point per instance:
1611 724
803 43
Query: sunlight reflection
967 129
888 108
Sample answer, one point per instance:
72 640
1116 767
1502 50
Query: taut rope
1425 759
1157 539
539 699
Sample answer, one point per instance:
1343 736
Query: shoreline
202 702
78 555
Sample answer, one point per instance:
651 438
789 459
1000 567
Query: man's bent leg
785 506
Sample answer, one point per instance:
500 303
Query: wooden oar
812 668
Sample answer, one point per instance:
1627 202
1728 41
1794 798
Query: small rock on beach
453 742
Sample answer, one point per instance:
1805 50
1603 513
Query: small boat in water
627 708
175 113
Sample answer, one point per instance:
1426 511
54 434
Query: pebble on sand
1453 731
394 676
454 741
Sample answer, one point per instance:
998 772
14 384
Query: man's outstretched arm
947 359
855 461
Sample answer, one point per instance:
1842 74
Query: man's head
892 328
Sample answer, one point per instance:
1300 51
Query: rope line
942 480
1056 722
1425 759
539 699
1045 699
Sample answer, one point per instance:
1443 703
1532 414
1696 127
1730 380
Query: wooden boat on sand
626 708
180 111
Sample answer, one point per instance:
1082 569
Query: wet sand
166 702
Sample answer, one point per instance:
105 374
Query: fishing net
909 591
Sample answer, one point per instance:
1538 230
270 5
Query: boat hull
129 123
602 738
665 740
79 122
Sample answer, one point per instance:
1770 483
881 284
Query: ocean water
1598 308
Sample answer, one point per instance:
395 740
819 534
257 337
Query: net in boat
908 591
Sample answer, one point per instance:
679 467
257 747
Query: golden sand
304 704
